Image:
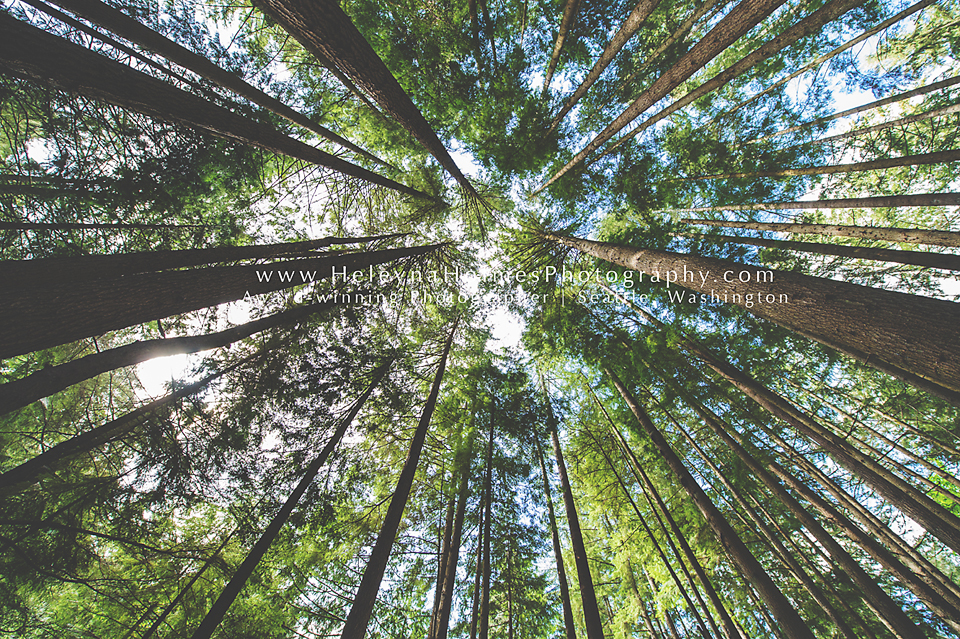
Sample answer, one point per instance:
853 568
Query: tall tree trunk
946 261
22 476
811 24
568 623
355 626
478 580
70 226
742 18
569 15
252 560
322 26
899 122
60 314
50 380
47 271
28 52
921 199
910 332
632 582
484 627
783 610
591 611
634 21
884 234
130 29
929 88
443 554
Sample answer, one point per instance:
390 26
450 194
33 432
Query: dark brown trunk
366 595
29 52
443 554
568 623
60 314
569 15
252 560
885 234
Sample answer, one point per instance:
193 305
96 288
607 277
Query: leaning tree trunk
359 616
591 611
322 26
71 226
60 314
811 24
791 622
634 21
443 552
882 201
569 627
50 380
742 18
946 261
130 29
29 52
569 15
47 271
23 476
885 234
899 122
252 560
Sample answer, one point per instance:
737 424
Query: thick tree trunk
366 595
252 560
48 271
940 157
811 24
882 201
591 611
21 477
50 380
568 623
322 26
936 86
883 234
946 261
742 18
569 15
128 28
783 610
29 52
60 314
917 334
631 25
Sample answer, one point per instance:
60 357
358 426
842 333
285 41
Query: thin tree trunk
827 56
22 476
484 627
568 623
322 26
899 122
28 52
252 560
883 201
936 86
47 271
488 27
884 234
569 15
632 582
939 157
910 332
69 226
631 25
782 609
946 261
50 380
478 580
591 611
442 556
366 595
811 24
130 29
39 319
742 18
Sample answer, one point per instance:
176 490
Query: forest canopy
492 319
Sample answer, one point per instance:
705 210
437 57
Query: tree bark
783 610
322 26
67 226
883 234
484 625
42 318
359 616
634 21
252 560
28 52
946 261
130 29
920 199
569 15
899 122
568 624
742 18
